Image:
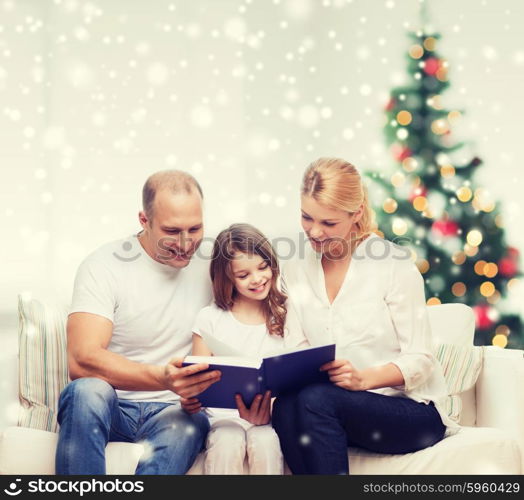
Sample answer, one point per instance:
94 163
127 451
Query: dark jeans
90 415
317 424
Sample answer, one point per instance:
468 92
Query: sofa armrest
32 451
499 394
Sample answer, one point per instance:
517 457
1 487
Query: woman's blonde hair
245 238
336 183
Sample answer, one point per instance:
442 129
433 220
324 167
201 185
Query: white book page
225 360
219 348
294 349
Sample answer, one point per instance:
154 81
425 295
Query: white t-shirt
379 316
252 341
152 305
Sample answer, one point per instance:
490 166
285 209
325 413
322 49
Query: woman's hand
260 411
342 373
191 405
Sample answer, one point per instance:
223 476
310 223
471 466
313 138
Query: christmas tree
431 202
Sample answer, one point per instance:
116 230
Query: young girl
249 314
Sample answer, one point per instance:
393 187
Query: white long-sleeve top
378 317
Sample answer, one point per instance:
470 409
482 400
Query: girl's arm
199 347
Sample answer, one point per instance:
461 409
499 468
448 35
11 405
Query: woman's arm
294 335
407 307
343 374
382 376
415 362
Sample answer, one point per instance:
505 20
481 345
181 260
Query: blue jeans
90 415
316 425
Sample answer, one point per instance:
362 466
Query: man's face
176 229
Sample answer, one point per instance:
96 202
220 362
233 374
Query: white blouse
378 317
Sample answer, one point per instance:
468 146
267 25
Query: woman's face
252 276
329 230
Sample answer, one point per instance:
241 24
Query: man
134 302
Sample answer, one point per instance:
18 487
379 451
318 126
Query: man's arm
88 336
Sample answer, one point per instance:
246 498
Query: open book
284 372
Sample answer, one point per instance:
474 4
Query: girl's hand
260 411
191 405
342 373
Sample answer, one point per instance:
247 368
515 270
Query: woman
365 294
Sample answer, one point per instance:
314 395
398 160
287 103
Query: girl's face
252 276
329 230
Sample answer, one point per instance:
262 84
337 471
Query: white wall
95 96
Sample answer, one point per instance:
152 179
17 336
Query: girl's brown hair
246 239
337 184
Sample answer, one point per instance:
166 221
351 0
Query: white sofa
491 440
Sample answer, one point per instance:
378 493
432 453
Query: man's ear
142 218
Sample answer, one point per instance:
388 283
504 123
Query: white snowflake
80 75
201 117
305 440
365 90
235 29
348 134
298 9
308 116
490 53
157 73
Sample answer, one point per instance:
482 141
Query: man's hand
187 381
342 373
191 405
260 411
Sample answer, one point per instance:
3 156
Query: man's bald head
173 181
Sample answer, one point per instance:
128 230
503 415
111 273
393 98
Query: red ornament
509 264
391 104
508 267
419 191
445 227
431 66
482 317
400 153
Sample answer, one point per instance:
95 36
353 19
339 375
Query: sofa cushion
42 361
475 451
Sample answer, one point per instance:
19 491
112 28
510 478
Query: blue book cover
284 372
